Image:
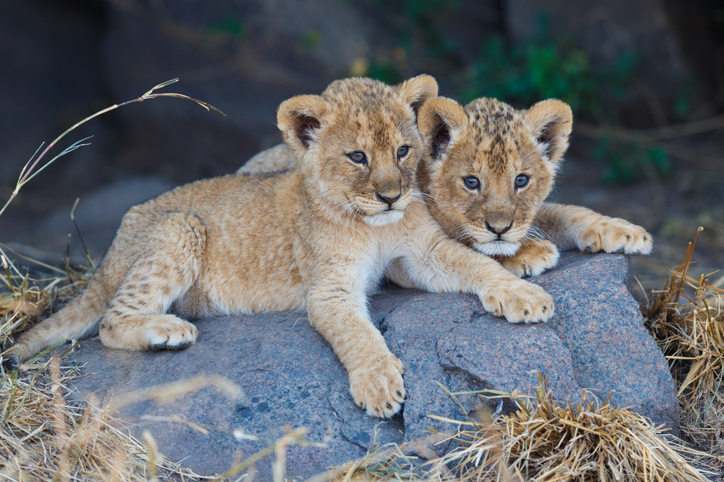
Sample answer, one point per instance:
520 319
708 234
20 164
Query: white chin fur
386 217
498 248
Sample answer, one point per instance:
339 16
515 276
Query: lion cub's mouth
497 247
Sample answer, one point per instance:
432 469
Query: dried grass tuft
546 440
687 319
43 436
381 463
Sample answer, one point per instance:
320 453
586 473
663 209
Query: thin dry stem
687 319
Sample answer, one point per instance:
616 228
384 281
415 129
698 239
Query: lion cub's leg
337 309
136 318
441 265
533 257
587 230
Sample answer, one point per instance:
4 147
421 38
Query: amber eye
358 157
402 151
472 182
521 181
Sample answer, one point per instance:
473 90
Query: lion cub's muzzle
501 237
388 199
389 207
498 229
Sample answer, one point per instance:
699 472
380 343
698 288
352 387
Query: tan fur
317 238
493 142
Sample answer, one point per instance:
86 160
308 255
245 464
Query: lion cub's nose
388 199
497 229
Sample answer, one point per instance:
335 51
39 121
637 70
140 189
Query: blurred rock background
631 69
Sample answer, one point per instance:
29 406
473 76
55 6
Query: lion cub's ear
440 122
550 121
299 119
417 90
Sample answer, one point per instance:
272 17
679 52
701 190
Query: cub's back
247 218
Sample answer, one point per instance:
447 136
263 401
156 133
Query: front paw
519 301
378 386
615 235
532 258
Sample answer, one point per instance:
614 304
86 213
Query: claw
158 346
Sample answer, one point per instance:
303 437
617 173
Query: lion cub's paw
11 361
379 387
532 258
519 301
167 332
615 235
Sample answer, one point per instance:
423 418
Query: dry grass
687 319
381 463
45 435
25 299
546 440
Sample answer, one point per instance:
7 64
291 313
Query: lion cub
485 173
317 238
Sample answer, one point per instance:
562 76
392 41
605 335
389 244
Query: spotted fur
317 237
494 142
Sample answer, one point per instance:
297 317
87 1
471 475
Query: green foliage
418 19
548 67
228 25
627 162
386 70
311 39
523 73
553 67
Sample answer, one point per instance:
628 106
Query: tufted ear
299 119
551 122
440 120
417 90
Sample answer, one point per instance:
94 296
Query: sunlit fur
494 142
317 237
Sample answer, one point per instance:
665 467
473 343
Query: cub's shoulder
275 159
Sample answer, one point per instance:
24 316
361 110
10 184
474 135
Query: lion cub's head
358 145
489 167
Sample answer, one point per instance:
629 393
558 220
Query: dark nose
497 230
389 200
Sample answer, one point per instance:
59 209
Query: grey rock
98 216
289 374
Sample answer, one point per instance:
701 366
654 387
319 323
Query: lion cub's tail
77 320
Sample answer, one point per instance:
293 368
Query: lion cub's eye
472 182
521 181
402 151
358 157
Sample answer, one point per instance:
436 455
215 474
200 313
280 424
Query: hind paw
148 332
11 362
168 332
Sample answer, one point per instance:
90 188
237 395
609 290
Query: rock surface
98 215
290 376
